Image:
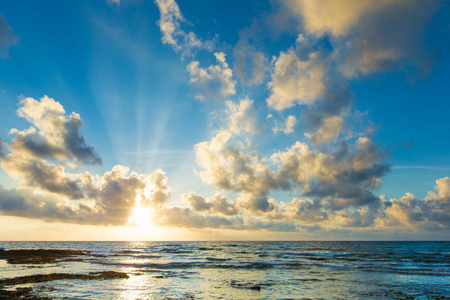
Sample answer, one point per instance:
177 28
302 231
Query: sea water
244 270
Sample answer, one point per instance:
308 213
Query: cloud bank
327 171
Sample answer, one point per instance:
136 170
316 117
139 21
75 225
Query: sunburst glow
141 215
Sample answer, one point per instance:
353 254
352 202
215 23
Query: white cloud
332 16
287 127
290 123
216 82
170 25
241 117
296 81
169 22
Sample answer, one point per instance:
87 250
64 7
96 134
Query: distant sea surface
241 270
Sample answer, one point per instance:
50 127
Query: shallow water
245 270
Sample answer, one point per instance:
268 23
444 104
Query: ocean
226 270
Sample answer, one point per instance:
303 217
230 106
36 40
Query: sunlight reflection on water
244 270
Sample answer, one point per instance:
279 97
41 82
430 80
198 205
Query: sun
141 215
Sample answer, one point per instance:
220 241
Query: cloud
295 80
290 123
339 179
31 172
170 26
83 198
327 132
306 211
228 164
216 82
330 16
362 35
336 180
228 168
7 38
431 213
338 41
170 21
54 135
2 148
287 127
341 184
116 2
38 160
249 65
217 204
241 117
186 218
443 187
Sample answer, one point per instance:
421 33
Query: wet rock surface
38 256
20 293
61 276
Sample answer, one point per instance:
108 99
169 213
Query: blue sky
227 119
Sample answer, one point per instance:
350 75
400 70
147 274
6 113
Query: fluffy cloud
54 135
340 183
7 37
290 123
37 161
216 82
328 131
330 16
83 198
433 212
229 168
296 80
105 200
241 117
217 204
340 179
306 211
228 164
362 34
184 217
170 21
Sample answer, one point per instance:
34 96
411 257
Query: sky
224 120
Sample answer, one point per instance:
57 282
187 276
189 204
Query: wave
217 259
319 254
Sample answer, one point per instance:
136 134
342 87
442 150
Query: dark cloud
2 148
75 145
